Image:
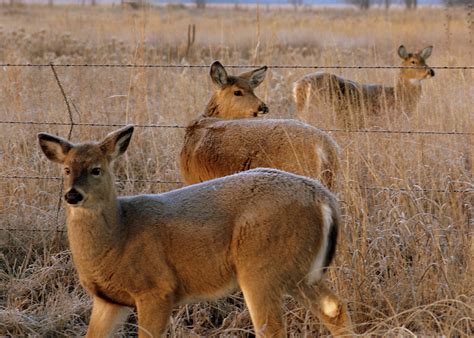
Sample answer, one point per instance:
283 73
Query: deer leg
105 318
265 309
323 303
153 315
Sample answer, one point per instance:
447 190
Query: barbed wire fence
130 65
72 124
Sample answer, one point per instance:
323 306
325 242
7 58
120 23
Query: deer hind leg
323 303
105 318
153 315
264 308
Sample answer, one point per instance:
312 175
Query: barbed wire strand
112 65
332 130
58 178
32 230
92 124
158 181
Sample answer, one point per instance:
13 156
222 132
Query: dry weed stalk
407 253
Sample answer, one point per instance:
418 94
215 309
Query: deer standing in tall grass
351 99
265 231
227 138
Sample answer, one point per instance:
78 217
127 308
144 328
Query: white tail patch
321 154
295 91
317 268
308 93
330 307
298 88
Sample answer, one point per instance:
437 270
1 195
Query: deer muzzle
73 197
263 109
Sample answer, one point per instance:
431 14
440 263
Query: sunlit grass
404 262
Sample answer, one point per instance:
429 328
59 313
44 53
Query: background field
404 261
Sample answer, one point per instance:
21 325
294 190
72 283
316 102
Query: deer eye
96 171
67 171
238 93
413 62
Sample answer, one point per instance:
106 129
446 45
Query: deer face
88 178
420 70
235 97
87 175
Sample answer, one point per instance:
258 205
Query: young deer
227 138
350 99
265 231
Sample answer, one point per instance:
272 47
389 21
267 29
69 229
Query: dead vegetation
404 261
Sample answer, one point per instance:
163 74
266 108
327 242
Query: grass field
405 259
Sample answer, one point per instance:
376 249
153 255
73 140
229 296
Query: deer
264 231
351 99
229 136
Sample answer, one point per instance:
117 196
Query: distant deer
227 138
350 99
265 231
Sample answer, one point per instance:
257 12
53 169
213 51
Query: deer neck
407 93
212 108
94 231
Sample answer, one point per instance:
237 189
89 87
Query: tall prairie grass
404 261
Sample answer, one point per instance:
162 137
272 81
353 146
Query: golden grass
404 261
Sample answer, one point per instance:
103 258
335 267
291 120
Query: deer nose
431 72
263 109
73 196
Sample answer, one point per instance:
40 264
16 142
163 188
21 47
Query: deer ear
55 148
218 74
426 52
117 142
402 52
257 76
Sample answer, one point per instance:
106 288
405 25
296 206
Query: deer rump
215 148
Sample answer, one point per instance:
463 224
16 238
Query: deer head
234 96
88 177
417 61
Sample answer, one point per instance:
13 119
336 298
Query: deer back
215 148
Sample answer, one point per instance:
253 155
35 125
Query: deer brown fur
227 138
265 231
351 99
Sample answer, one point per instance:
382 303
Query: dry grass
404 262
